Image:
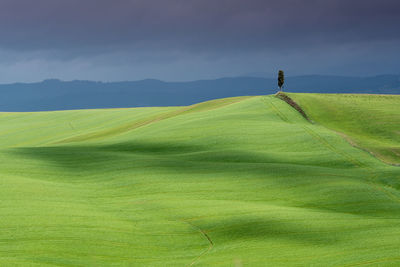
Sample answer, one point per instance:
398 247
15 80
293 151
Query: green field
232 182
372 122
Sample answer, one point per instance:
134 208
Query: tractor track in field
355 162
210 247
276 110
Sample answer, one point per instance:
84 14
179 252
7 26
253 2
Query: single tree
281 79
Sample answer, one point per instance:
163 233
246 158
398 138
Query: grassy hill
370 122
233 182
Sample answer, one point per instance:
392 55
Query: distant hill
60 95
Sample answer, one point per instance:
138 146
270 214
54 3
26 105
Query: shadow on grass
177 156
253 228
182 159
162 154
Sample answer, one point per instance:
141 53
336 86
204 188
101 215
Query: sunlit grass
371 122
243 181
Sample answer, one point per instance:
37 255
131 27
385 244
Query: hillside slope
371 122
240 181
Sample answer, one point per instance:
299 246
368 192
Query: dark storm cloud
191 39
192 25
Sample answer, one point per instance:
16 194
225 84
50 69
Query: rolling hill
243 181
370 122
58 95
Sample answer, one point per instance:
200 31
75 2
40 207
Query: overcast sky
111 40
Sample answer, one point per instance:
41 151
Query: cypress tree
281 79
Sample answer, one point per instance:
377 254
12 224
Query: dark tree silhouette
281 79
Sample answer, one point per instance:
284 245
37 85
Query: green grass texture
241 181
370 122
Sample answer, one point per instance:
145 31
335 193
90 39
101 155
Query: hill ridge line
154 119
